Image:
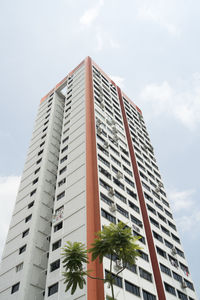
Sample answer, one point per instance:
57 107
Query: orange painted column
147 227
95 288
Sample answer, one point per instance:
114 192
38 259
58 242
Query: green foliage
116 239
75 255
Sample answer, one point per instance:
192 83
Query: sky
150 48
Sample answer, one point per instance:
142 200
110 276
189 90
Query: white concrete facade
51 206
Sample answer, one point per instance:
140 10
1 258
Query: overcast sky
150 48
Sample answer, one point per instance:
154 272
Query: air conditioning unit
183 284
99 131
113 121
157 189
114 129
160 184
118 265
102 105
106 144
174 251
98 122
119 175
111 192
113 207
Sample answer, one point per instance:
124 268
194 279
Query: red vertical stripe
147 226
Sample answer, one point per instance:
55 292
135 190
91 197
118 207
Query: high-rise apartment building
91 162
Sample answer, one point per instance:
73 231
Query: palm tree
114 241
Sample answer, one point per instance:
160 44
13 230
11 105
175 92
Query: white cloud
186 210
91 14
159 12
181 200
8 191
182 102
118 80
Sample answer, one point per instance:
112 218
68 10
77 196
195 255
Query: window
189 284
35 181
131 268
148 197
161 252
158 236
158 205
129 181
168 244
170 289
108 216
131 193
118 183
136 221
103 160
162 218
148 296
62 170
173 261
64 149
151 209
154 222
31 204
165 270
103 149
38 161
25 233
177 277
143 255
165 230
61 195
146 275
28 218
105 185
37 170
179 252
53 289
133 206
175 238
15 288
58 226
55 265
61 182
142 239
40 152
120 197
104 172
56 245
105 199
32 193
63 159
182 296
19 267
132 288
115 160
22 249
117 279
122 211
